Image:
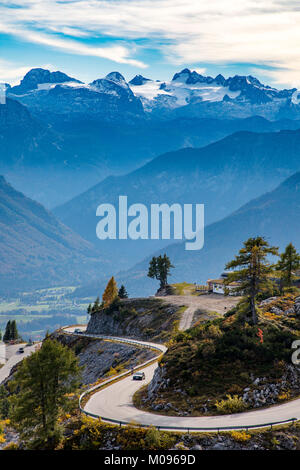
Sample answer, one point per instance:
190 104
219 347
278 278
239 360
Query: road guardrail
162 349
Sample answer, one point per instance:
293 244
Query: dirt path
206 303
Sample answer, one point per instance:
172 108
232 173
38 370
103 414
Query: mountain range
274 215
61 136
113 98
36 250
222 175
72 146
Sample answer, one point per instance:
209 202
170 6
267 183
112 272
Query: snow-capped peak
116 77
38 76
139 80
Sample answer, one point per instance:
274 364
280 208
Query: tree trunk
253 310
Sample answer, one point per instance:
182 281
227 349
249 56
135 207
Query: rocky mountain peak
116 77
139 80
39 76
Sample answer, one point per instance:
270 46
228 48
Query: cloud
220 31
115 53
12 74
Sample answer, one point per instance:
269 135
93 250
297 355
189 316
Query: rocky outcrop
97 357
158 382
135 318
163 291
262 392
271 305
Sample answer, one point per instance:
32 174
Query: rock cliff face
98 357
136 318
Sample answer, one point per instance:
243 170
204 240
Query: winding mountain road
13 358
114 402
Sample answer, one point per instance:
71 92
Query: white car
138 376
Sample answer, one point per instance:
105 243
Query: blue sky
90 38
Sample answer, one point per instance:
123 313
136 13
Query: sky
156 38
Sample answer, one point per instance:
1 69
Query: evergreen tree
4 403
253 270
14 330
110 293
42 382
122 292
89 309
287 265
7 334
96 305
159 268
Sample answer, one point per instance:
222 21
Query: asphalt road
115 402
14 357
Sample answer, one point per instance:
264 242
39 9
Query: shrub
284 396
155 439
11 446
233 404
240 436
111 372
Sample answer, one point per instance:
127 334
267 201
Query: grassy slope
223 356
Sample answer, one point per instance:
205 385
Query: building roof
221 281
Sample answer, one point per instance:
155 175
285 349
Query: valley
37 312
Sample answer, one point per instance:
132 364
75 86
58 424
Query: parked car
138 376
78 331
21 350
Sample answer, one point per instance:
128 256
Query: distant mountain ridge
53 163
187 92
274 215
36 250
222 175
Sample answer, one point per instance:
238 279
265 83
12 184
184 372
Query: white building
217 286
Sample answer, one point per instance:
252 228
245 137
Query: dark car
138 376
21 350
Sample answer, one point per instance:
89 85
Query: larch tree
288 264
43 382
253 270
110 293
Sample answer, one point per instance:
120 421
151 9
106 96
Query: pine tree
89 309
4 403
96 305
14 330
110 293
159 268
253 272
122 292
43 381
7 334
287 265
